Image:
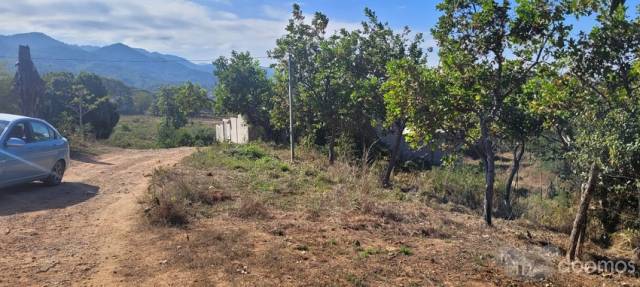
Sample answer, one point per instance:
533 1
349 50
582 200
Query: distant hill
135 67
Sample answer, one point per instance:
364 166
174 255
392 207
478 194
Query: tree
27 84
168 109
488 50
338 78
411 98
302 44
518 124
173 117
192 99
64 93
9 104
243 88
104 115
606 131
142 101
81 103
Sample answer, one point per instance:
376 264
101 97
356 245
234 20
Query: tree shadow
37 196
87 158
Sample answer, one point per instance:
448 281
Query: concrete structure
234 130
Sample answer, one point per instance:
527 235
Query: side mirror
15 142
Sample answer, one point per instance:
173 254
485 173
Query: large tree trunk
518 152
395 153
489 171
579 224
27 84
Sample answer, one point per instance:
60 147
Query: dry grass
251 208
174 197
314 224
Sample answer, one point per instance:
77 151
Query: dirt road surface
75 234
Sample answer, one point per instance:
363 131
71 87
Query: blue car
31 150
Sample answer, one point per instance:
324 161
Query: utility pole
291 112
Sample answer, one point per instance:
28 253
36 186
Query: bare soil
77 233
90 232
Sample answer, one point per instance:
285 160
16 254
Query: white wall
235 130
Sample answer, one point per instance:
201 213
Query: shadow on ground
87 158
36 197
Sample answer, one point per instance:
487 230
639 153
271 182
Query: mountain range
135 67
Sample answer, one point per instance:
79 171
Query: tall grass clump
173 198
462 185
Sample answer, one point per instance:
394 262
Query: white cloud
184 28
177 27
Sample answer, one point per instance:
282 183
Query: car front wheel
57 172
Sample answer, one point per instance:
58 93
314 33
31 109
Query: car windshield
3 125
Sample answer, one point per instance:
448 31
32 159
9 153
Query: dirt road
76 233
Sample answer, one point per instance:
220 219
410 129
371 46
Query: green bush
138 132
556 213
462 185
185 136
250 151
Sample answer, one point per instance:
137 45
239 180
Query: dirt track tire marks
74 233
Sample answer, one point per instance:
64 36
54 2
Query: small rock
47 267
163 261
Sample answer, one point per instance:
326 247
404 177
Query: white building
234 130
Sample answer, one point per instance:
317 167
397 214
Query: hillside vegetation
514 79
141 132
254 218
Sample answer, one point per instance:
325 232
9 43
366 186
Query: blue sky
203 29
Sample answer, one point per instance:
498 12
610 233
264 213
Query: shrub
172 198
405 250
251 208
556 213
167 136
462 185
250 151
185 136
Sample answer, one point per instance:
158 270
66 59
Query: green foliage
337 78
461 185
243 88
405 250
138 132
412 96
555 213
191 135
192 99
488 50
172 116
83 96
9 104
369 251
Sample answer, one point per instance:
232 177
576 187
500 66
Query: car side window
19 131
53 134
40 132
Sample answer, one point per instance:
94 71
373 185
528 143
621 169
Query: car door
19 165
41 147
59 145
